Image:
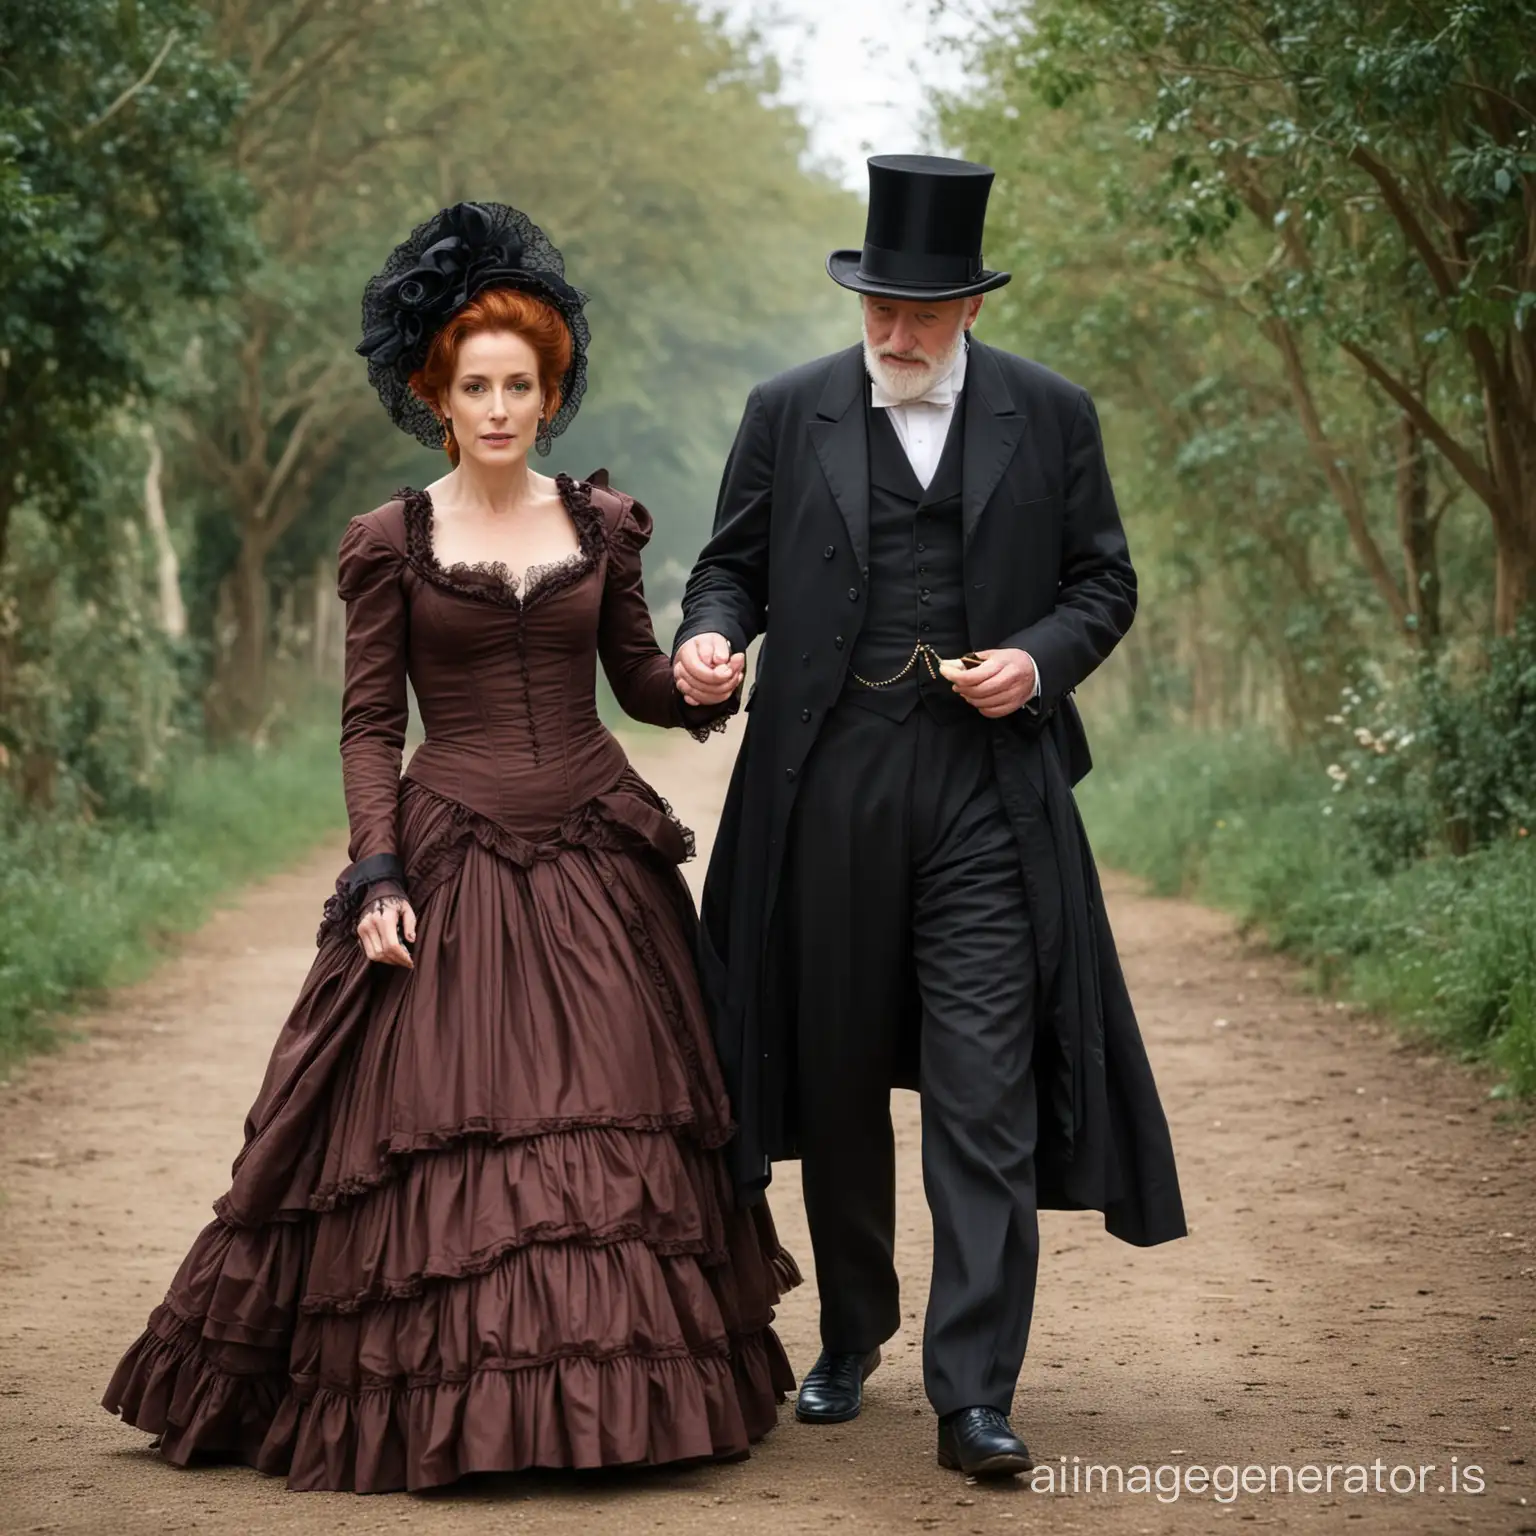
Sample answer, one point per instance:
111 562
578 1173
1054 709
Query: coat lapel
840 438
994 428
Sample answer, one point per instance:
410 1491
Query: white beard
910 383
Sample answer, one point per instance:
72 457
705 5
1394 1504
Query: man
901 894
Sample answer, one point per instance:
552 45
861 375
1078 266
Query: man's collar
943 391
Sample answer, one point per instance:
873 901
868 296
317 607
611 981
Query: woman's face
495 400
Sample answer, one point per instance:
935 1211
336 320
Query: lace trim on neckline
490 581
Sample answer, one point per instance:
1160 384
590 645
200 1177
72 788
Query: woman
481 1220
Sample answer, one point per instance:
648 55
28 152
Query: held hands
1002 683
706 671
379 931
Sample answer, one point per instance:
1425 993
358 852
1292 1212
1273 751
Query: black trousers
906 912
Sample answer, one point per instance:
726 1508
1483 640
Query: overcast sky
858 70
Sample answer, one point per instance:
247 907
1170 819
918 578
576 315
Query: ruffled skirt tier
481 1222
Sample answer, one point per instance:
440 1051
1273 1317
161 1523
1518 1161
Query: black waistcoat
916 581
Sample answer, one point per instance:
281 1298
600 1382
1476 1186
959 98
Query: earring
543 439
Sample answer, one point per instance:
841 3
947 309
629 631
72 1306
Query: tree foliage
117 203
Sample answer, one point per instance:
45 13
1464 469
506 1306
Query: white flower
1336 773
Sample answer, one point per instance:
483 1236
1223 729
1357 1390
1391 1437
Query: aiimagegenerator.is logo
1225 1482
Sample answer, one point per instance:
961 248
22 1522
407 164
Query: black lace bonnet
430 276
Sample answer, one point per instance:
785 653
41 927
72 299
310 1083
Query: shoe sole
1008 1464
828 1418
839 1418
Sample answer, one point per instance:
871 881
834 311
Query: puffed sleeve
639 671
374 711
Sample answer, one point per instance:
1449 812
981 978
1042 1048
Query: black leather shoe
833 1389
980 1443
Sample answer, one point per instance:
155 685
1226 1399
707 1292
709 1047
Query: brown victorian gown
481 1220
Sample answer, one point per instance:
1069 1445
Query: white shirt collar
942 392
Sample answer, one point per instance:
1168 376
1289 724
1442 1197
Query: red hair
541 325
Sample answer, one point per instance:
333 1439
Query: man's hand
706 671
379 931
1004 682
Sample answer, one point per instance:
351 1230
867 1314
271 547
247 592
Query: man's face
908 343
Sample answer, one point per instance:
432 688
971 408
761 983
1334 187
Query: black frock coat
1046 570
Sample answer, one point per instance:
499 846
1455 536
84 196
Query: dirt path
1358 1284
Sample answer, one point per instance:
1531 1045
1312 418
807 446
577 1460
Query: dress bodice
504 670
506 679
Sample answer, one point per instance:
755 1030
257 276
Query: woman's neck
500 492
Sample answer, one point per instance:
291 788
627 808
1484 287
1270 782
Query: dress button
837 640
923 598
789 773
925 626
805 658
828 552
922 549
805 715
853 594
922 570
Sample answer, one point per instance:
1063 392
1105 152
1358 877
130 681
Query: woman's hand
379 932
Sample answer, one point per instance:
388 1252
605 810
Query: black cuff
376 867
355 885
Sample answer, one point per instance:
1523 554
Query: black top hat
923 236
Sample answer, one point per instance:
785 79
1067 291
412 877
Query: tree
116 205
1386 151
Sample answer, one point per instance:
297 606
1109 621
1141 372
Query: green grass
88 905
1446 946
